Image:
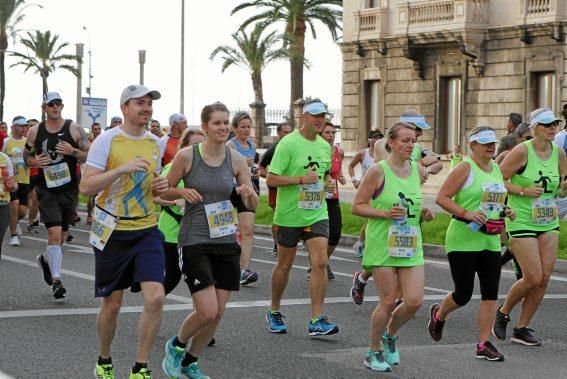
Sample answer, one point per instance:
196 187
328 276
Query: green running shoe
105 371
193 372
390 352
375 361
142 374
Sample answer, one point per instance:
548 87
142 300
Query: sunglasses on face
550 125
528 137
54 104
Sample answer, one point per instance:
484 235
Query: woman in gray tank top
207 235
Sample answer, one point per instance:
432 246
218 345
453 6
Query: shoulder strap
170 212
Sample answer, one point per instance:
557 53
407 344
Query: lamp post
142 60
182 91
89 89
79 53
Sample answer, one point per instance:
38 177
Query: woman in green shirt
535 169
474 193
390 197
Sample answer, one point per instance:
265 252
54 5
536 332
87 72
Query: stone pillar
257 112
298 112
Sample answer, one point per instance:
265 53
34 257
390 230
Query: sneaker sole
525 343
279 331
429 323
47 279
60 293
388 369
335 330
352 289
248 281
501 359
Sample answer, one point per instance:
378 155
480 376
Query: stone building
461 63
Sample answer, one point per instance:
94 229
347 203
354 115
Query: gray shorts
289 236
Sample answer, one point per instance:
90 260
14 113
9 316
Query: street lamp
90 53
182 92
142 60
80 54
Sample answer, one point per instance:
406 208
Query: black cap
375 133
516 118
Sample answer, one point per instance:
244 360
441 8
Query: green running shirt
167 224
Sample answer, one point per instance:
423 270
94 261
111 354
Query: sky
116 30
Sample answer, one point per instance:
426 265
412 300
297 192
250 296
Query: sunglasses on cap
56 103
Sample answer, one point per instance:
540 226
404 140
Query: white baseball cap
136 91
176 117
51 96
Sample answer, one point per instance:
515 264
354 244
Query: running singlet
129 196
389 244
335 171
168 224
367 161
416 153
481 191
61 174
4 193
301 205
203 223
170 145
536 214
14 148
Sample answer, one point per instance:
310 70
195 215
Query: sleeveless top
377 230
247 153
459 237
214 184
367 161
529 211
335 170
45 142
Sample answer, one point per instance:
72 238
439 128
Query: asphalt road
42 338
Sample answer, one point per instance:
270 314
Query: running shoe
18 229
69 238
322 327
330 273
375 361
489 352
357 289
391 353
32 229
248 277
524 336
35 223
144 373
44 266
309 273
212 342
171 363
14 241
276 323
435 326
58 290
500 325
105 371
358 248
275 251
194 372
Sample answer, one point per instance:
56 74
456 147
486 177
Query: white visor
484 137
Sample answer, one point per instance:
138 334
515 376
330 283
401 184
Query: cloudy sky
116 30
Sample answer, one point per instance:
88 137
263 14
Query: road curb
430 251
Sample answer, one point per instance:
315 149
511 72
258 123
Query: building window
448 132
371 3
372 94
545 90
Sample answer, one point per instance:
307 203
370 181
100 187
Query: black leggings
172 269
335 221
464 264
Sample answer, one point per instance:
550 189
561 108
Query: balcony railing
371 23
539 11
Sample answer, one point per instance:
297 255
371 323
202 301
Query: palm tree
10 16
297 16
252 53
45 56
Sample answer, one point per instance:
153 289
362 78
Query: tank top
62 171
335 170
536 214
377 230
215 185
459 237
367 161
249 153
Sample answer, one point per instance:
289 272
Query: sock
104 361
273 312
138 366
53 256
361 279
188 359
14 235
314 320
481 344
178 343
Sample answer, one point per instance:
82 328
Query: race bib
330 194
544 211
222 219
311 195
57 175
102 228
402 241
493 196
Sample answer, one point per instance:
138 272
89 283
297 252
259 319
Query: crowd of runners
505 204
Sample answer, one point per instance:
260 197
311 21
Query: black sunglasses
54 104
551 124
528 137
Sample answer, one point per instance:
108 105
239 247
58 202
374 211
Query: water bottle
474 226
403 203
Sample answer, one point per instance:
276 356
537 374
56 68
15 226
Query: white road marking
234 304
5 376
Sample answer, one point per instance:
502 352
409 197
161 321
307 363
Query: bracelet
301 180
